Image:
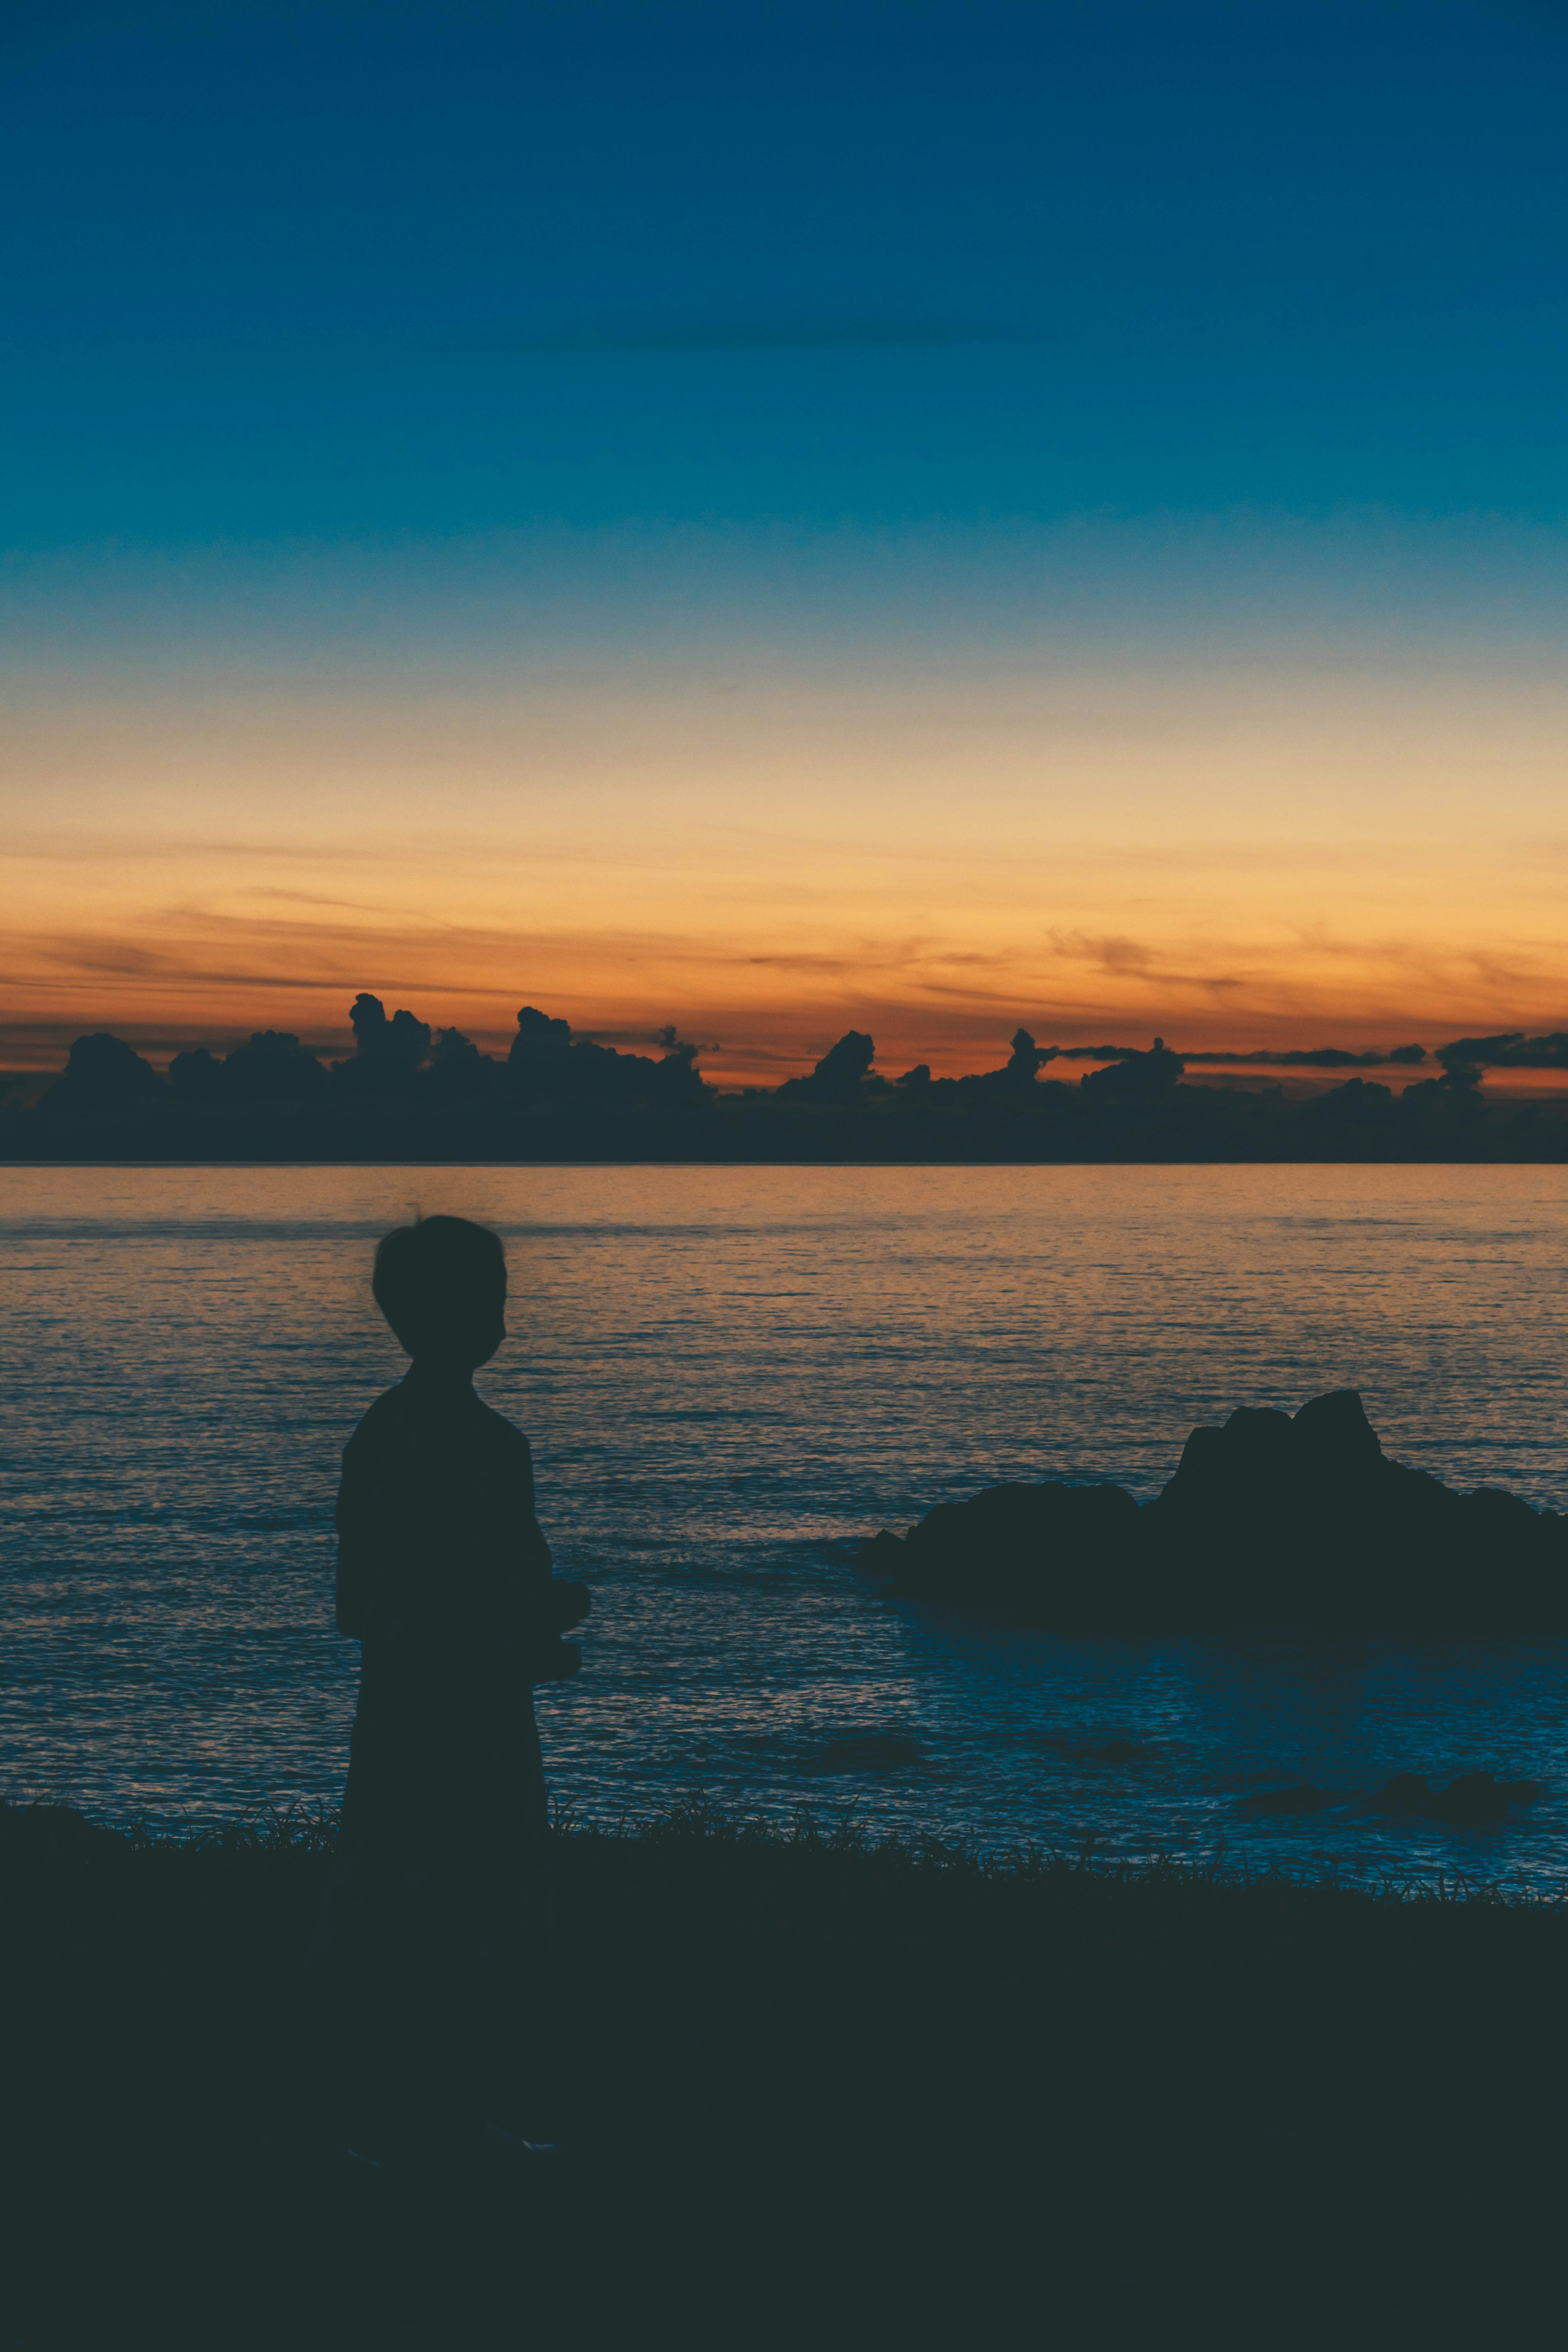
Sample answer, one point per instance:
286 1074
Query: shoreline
1017 2096
50 1833
1544 1157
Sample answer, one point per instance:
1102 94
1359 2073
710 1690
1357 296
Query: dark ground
820 2095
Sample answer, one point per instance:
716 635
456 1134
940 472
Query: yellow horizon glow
769 855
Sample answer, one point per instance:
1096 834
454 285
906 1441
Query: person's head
441 1284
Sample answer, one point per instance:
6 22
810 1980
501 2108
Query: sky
922 518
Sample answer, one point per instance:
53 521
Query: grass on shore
824 2089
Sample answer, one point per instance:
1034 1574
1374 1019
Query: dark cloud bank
408 1092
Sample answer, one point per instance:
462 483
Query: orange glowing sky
730 517
1100 828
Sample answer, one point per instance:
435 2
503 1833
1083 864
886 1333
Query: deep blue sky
282 271
779 516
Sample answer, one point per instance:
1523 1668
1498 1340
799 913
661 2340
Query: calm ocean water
730 1376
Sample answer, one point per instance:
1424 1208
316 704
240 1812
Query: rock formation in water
1476 1800
1271 1521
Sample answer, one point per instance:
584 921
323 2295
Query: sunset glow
992 652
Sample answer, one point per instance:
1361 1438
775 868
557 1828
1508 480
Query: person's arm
554 1604
366 1526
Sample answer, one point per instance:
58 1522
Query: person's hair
439 1282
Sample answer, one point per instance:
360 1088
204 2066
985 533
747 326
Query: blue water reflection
730 1375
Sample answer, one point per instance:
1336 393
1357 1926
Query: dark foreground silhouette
820 2094
432 1966
1270 1521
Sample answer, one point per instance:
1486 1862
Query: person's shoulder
501 1432
381 1425
373 1461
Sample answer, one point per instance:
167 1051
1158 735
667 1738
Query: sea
731 1378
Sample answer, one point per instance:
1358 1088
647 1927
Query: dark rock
1304 1800
1269 1521
1405 1793
1473 1800
1114 1750
1333 1434
883 1556
1477 1797
1050 1554
867 1751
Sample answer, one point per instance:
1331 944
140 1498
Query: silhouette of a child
445 1579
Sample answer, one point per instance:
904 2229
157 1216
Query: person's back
444 1577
